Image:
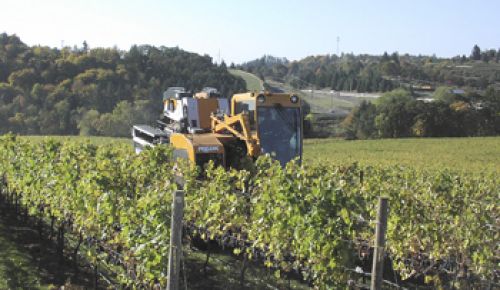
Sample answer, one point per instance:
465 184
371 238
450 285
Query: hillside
98 91
391 96
253 83
380 73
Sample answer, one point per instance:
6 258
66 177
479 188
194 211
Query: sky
240 31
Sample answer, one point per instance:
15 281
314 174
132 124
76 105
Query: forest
98 91
398 114
103 91
380 73
425 96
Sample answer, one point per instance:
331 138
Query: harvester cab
275 121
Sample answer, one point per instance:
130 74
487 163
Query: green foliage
304 217
360 123
103 192
118 122
397 95
372 73
339 73
397 114
440 216
317 213
51 91
444 94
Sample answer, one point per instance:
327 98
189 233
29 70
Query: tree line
397 114
380 73
99 91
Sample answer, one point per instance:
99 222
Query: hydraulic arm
239 126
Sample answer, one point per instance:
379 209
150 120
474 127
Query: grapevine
310 219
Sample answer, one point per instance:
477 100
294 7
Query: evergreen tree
476 53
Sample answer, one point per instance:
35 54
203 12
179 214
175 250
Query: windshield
280 132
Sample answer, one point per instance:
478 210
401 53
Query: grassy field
462 154
253 82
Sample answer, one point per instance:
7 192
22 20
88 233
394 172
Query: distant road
328 93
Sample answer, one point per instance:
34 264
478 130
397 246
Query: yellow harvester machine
206 126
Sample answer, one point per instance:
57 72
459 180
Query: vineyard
311 220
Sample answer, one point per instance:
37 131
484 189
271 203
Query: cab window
249 107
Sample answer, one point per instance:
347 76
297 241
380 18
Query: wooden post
378 255
175 252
